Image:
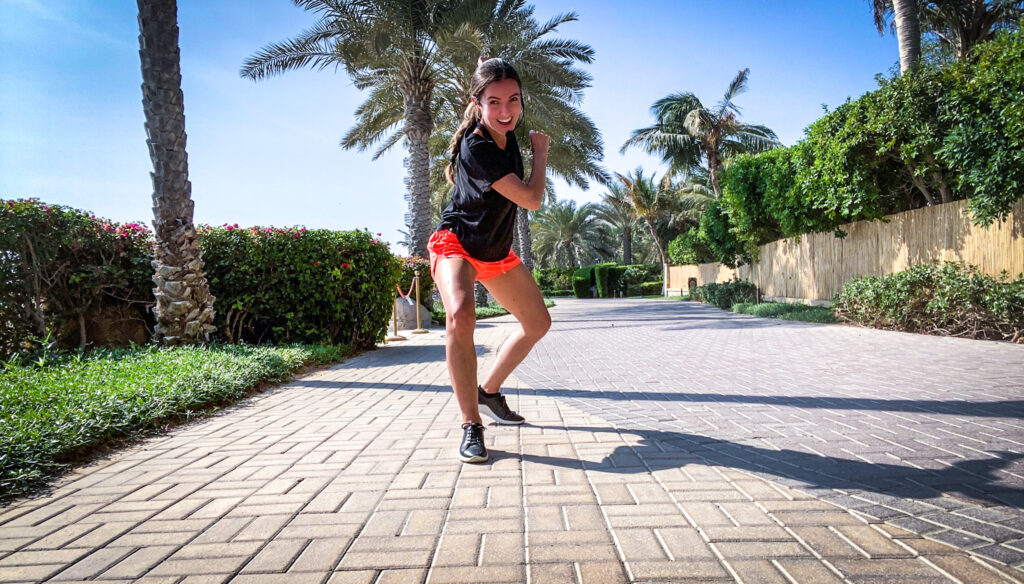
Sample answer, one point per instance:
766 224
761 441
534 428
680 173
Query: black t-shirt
482 218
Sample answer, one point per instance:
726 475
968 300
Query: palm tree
567 235
688 136
908 28
184 305
616 210
552 93
667 208
962 24
397 49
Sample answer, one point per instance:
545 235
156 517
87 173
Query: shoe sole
486 410
473 458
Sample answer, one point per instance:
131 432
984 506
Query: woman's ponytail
469 119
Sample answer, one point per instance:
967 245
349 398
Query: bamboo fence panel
815 266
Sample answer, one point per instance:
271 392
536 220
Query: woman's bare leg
455 279
517 291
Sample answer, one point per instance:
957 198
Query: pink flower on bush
315 263
346 265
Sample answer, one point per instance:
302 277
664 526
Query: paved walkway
655 451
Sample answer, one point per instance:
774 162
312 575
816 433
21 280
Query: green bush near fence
726 294
942 299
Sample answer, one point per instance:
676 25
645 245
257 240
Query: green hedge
554 278
943 299
62 268
939 133
557 293
786 311
727 294
298 285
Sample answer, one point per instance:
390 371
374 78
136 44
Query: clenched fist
539 141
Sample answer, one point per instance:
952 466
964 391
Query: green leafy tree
665 207
690 136
568 236
184 305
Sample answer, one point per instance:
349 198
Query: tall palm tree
184 305
905 19
616 210
962 24
688 136
567 235
666 207
397 49
553 87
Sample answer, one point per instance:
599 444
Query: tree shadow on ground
993 409
661 450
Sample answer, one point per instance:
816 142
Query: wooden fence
814 267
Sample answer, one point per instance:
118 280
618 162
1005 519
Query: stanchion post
419 322
394 319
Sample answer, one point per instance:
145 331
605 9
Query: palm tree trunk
184 305
419 124
714 164
525 251
627 245
661 254
908 32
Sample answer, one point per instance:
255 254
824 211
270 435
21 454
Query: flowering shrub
62 268
298 285
409 267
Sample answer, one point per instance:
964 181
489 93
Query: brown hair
487 71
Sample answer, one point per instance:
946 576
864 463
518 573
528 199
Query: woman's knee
461 320
538 326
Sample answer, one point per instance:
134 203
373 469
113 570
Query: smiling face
501 104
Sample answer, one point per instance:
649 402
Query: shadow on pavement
973 479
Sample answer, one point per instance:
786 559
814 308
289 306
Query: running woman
474 242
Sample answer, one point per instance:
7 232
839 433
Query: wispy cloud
44 11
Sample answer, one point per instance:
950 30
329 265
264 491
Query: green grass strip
786 311
54 415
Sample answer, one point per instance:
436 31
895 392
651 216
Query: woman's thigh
455 279
517 291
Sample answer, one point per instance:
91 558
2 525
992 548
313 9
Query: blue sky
266 153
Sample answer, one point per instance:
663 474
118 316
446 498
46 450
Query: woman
474 242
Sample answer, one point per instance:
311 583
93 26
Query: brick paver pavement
925 433
349 475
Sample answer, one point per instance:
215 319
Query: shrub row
725 295
612 279
942 299
67 277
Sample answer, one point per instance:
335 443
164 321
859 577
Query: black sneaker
473 449
493 405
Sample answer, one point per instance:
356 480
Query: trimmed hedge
298 285
951 299
727 294
65 274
